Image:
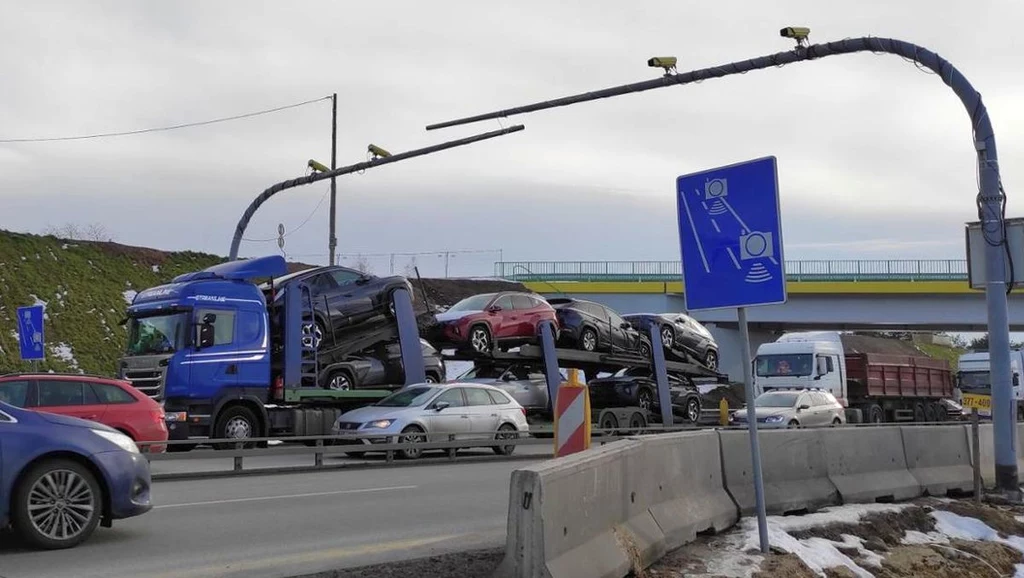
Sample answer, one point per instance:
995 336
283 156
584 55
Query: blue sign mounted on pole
30 332
730 235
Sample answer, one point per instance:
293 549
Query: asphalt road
290 524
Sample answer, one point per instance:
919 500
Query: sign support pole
755 446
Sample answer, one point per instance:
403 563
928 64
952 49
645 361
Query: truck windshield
412 397
974 381
157 333
793 365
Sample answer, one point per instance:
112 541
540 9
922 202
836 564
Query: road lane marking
290 496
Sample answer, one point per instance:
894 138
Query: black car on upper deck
591 326
344 300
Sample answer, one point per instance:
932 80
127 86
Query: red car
108 401
482 323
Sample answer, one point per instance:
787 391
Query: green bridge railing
826 270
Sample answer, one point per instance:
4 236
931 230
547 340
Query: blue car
60 477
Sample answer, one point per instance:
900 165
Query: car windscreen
776 399
790 365
412 397
156 334
474 303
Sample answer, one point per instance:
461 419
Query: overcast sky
875 156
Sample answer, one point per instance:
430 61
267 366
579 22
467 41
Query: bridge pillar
730 348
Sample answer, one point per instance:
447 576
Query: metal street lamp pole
236 241
332 241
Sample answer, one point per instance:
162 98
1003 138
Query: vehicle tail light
277 391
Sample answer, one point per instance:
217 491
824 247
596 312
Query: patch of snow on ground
816 553
849 514
129 295
914 537
63 352
38 301
156 268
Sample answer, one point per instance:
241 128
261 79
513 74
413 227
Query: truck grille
149 381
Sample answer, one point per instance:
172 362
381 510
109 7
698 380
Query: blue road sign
30 332
730 235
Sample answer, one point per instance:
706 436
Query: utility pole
332 241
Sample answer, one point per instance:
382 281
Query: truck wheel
507 431
57 505
237 422
609 423
637 423
919 412
875 414
929 413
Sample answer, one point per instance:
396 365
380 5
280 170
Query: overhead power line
163 128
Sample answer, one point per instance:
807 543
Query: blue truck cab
202 341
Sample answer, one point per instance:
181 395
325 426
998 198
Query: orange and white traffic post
572 416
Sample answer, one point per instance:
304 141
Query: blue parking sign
30 332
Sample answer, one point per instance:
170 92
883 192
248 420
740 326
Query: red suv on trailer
485 322
111 402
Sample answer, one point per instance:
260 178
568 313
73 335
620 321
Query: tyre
389 307
874 414
645 349
836 422
339 380
588 339
507 431
930 415
480 339
637 423
236 422
711 360
433 378
313 335
412 434
919 412
609 423
793 424
693 410
668 337
57 505
645 399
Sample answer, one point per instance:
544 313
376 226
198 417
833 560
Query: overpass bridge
822 294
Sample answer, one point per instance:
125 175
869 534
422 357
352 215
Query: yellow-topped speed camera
666 62
318 167
377 151
798 33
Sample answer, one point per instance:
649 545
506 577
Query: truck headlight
119 439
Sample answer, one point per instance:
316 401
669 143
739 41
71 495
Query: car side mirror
803 407
822 366
441 405
362 280
494 309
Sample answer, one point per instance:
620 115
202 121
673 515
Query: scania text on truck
225 364
873 387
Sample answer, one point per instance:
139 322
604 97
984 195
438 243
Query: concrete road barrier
868 464
939 458
794 466
567 517
682 485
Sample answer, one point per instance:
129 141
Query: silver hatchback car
435 412
794 408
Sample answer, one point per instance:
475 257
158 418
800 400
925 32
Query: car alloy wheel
668 337
711 360
340 382
645 399
412 435
588 341
507 431
693 411
645 349
480 340
62 505
312 336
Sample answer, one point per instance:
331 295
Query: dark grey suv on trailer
680 333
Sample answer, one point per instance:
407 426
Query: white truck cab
802 360
972 375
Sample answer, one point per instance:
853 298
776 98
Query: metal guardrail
797 271
325 447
